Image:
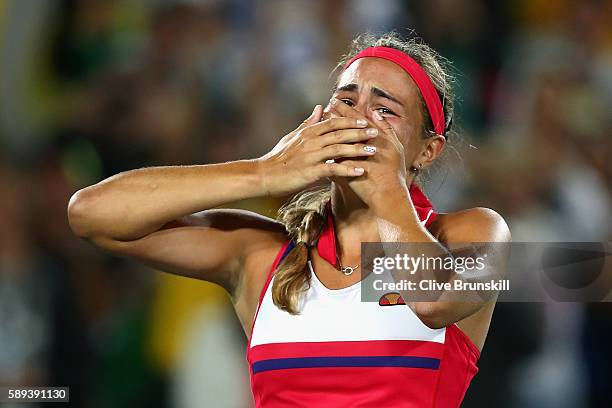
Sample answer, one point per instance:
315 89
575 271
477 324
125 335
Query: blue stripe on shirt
361 361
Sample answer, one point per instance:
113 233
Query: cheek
404 132
409 136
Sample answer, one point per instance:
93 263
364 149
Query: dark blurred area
89 88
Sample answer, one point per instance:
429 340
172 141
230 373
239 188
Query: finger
347 136
344 110
379 123
344 169
344 150
327 114
314 117
327 111
332 124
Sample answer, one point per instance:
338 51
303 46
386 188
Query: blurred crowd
90 88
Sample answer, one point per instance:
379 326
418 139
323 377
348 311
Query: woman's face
376 85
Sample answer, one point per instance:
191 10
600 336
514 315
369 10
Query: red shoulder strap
282 253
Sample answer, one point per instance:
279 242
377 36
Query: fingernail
333 101
371 132
377 116
370 149
359 170
362 122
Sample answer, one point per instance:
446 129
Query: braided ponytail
304 218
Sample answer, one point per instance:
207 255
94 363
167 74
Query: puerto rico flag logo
391 299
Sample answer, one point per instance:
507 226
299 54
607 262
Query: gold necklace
346 270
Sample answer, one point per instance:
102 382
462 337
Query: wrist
387 200
262 173
395 205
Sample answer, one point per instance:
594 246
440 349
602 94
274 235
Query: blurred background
89 88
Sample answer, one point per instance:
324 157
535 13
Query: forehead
381 73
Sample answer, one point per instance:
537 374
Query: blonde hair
305 215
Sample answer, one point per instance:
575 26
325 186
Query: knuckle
330 169
319 170
347 150
331 124
348 165
338 169
368 133
344 134
306 133
343 170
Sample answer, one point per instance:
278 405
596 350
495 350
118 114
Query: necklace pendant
347 270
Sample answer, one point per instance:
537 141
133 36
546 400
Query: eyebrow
375 91
383 94
346 88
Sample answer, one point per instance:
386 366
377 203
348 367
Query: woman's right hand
299 158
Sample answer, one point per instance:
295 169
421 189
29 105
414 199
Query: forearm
435 308
398 220
133 204
481 237
402 232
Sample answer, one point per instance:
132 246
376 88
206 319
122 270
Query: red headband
420 78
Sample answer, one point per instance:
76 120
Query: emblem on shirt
391 299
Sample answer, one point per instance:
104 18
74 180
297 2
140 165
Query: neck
354 223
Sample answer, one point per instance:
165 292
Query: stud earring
416 170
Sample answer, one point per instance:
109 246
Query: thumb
314 117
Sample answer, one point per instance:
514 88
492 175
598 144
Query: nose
364 107
361 106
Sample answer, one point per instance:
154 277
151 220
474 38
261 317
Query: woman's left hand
385 177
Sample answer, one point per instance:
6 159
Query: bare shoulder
474 225
478 224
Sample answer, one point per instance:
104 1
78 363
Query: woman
312 342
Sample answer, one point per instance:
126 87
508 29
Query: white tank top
337 315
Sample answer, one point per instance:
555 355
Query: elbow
79 212
432 314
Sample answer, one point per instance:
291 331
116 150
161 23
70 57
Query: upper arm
211 245
475 225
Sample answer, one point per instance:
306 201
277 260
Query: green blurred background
89 88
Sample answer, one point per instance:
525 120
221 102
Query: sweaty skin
163 216
383 188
